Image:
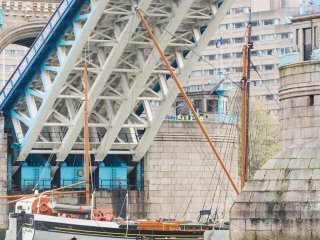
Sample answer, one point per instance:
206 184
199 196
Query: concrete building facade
272 36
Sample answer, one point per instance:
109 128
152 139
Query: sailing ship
41 217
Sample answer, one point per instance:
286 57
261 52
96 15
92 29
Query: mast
245 122
186 99
86 134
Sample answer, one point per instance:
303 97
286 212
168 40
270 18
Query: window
212 43
283 35
239 25
237 10
255 38
297 36
196 73
311 100
212 105
315 36
238 40
223 26
226 41
269 67
254 53
197 105
267 22
208 72
269 97
267 37
269 51
307 44
209 57
226 55
237 69
237 55
255 23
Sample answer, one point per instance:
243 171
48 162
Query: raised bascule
130 90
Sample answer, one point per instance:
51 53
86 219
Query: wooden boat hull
41 227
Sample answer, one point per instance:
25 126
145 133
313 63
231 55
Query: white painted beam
53 91
96 88
141 80
191 61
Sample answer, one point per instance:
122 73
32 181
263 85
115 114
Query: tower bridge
24 20
43 99
130 90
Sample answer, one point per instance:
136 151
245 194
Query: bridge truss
130 89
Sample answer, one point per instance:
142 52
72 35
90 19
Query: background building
272 36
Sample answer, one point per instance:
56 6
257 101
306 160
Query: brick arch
22 35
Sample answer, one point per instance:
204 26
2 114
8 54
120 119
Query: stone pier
283 199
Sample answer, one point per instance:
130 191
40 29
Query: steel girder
129 91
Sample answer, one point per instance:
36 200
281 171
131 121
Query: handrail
38 44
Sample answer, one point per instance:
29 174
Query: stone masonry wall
3 176
299 121
181 175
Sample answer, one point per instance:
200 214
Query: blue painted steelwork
1 17
72 171
113 173
139 176
9 174
39 52
35 173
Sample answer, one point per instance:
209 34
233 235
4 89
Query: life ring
43 208
98 216
108 216
80 172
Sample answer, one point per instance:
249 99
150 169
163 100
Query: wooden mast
246 63
86 134
185 97
244 116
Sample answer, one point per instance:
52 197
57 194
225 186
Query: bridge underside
130 89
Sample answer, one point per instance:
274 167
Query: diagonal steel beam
96 89
53 92
141 79
191 61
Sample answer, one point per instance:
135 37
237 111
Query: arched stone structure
23 20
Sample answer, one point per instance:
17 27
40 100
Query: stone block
272 174
299 185
301 174
283 163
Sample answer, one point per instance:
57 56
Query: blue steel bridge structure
43 100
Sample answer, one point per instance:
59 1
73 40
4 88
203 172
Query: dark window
226 41
254 53
315 36
238 54
226 56
212 43
255 38
254 23
268 22
307 44
269 51
269 97
197 105
239 40
211 105
238 69
311 100
297 36
269 67
239 25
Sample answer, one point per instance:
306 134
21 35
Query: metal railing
38 44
